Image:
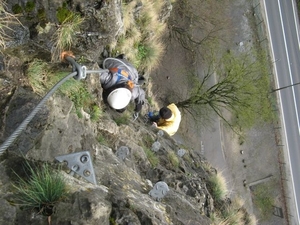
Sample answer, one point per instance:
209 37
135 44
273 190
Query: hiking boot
121 56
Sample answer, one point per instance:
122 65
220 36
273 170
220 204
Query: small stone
160 133
122 152
181 152
155 146
159 190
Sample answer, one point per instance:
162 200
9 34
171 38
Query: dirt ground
245 165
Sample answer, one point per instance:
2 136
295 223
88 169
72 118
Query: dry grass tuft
218 187
128 17
64 36
151 58
141 39
6 20
233 214
173 158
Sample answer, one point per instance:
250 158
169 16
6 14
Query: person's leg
105 94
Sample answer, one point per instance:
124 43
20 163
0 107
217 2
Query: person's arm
139 98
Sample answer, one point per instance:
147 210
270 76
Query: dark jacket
121 74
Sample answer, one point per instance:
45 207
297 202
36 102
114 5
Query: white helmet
119 98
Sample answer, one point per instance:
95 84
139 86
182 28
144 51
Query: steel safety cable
25 122
82 75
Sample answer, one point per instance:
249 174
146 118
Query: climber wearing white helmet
121 85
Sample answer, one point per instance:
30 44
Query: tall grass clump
40 190
141 38
218 187
153 159
6 20
233 213
39 76
96 113
65 35
233 216
42 78
128 16
173 159
148 54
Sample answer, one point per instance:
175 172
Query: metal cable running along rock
78 72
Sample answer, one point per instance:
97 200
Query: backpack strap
122 74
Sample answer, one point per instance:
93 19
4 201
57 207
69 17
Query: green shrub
63 13
29 7
188 158
40 190
17 9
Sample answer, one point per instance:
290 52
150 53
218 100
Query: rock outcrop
121 193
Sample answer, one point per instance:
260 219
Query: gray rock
122 152
155 146
159 190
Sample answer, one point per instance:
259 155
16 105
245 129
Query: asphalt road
283 27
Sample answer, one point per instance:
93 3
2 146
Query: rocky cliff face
123 181
123 184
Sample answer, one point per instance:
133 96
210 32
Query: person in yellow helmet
168 119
